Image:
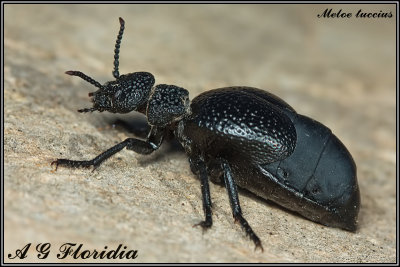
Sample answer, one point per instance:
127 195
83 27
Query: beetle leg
139 128
235 205
198 166
152 143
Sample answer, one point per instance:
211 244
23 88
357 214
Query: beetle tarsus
249 232
235 205
72 163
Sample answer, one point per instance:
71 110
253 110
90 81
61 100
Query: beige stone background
338 71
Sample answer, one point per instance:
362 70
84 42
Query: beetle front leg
153 142
235 205
198 166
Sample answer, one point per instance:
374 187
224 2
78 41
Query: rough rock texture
338 71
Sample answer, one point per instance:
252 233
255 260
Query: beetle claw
205 225
54 162
259 246
95 166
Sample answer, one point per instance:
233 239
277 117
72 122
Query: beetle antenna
86 110
116 51
85 77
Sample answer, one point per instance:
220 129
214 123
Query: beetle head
128 92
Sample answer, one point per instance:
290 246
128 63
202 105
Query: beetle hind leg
235 205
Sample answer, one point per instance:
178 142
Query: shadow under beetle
238 136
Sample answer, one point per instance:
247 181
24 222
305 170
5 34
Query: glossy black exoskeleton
239 136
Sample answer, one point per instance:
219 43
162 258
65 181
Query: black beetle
238 136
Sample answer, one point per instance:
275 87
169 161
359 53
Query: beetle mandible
239 137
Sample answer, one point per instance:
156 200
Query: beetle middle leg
153 142
198 166
235 205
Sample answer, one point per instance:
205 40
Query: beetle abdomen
320 173
234 120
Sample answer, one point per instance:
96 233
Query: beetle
240 137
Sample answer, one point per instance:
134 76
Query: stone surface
338 71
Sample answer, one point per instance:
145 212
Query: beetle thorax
167 104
